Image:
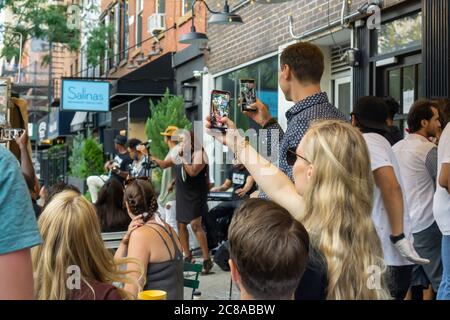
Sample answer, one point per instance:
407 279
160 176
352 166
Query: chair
192 283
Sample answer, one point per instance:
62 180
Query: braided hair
141 198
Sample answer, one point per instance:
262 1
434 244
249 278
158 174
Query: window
398 35
138 25
184 7
265 74
160 6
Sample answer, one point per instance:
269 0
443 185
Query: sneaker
207 266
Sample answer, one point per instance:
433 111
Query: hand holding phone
220 108
247 94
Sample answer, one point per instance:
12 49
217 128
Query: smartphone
220 107
247 94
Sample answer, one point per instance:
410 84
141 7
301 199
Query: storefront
189 65
391 57
130 95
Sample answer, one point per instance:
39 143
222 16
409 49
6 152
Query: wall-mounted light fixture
223 17
188 92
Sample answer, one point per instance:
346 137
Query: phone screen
220 107
247 94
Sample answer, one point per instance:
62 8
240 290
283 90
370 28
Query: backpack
222 256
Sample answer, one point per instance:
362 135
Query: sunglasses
291 157
130 180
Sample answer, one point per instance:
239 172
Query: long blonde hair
71 237
338 206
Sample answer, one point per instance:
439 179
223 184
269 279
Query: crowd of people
351 210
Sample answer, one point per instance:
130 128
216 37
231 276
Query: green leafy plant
97 44
86 158
34 19
169 111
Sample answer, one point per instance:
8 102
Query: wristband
395 239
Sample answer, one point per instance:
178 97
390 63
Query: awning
78 121
150 80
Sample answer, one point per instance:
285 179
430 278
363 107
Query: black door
403 82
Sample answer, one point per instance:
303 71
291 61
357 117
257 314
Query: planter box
79 183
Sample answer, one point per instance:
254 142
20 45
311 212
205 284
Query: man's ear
424 123
235 276
287 72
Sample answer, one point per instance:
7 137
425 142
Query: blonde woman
332 197
72 262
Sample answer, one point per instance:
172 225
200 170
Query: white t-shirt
381 155
441 205
411 154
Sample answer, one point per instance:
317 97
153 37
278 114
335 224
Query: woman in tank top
153 242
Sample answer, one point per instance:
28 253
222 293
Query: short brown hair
420 110
306 61
269 248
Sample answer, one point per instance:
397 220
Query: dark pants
399 280
218 220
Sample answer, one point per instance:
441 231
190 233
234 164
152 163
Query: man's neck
422 132
300 92
245 295
172 145
390 122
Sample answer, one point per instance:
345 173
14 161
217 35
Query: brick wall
265 28
168 41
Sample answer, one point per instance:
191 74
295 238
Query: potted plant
169 111
86 160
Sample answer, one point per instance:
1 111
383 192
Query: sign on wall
80 95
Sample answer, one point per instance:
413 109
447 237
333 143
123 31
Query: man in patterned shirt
302 66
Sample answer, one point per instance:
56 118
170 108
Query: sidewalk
215 286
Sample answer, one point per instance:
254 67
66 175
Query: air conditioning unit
156 23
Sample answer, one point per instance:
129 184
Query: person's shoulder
6 157
96 291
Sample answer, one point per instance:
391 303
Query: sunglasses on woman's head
292 155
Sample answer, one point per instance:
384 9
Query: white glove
406 249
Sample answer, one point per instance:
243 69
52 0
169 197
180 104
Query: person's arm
25 159
246 188
163 164
270 179
197 165
392 196
138 249
444 177
121 252
224 187
16 276
431 163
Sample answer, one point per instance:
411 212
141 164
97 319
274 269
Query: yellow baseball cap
170 131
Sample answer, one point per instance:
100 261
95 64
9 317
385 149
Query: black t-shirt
239 177
124 161
314 282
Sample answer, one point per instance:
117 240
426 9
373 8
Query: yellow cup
152 295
